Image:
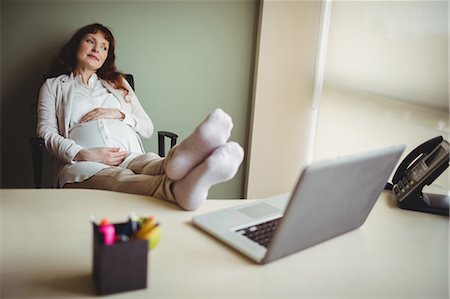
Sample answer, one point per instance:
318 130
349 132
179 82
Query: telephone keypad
421 170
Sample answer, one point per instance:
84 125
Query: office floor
353 121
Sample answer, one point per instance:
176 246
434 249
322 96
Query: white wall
386 78
394 48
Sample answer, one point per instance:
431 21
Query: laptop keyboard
260 233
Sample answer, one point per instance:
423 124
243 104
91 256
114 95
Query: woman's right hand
106 155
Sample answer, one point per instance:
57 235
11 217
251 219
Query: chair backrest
130 79
37 146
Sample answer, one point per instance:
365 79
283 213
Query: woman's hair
66 60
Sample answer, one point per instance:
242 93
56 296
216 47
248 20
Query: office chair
37 146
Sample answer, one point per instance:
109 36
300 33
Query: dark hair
66 60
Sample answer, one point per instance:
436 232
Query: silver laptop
329 199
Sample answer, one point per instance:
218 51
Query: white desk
47 253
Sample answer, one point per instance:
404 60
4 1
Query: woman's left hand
102 113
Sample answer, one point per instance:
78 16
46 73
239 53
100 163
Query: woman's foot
213 132
220 166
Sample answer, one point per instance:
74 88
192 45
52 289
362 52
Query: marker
146 224
108 230
151 231
154 236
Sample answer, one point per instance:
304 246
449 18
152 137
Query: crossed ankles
204 159
213 132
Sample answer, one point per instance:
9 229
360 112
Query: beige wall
378 52
282 124
188 57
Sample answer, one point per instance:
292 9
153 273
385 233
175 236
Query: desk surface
47 253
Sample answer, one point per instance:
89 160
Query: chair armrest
161 141
37 144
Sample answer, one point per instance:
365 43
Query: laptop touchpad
259 210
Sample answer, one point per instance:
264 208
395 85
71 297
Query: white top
55 105
112 133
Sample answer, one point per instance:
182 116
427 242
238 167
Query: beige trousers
145 175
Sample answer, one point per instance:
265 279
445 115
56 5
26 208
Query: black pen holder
121 266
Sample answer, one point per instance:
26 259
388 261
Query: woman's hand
99 113
106 155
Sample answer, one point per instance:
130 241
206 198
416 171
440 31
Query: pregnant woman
92 122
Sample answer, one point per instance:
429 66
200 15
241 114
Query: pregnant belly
106 133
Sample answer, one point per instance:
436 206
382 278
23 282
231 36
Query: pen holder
121 266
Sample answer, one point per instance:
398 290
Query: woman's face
92 51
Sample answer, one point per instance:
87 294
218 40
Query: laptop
330 198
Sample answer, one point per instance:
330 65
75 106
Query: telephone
421 167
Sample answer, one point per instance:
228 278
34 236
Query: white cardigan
54 110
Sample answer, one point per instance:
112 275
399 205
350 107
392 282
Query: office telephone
420 168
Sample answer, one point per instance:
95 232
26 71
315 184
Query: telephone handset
421 167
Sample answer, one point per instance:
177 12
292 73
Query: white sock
213 132
220 166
